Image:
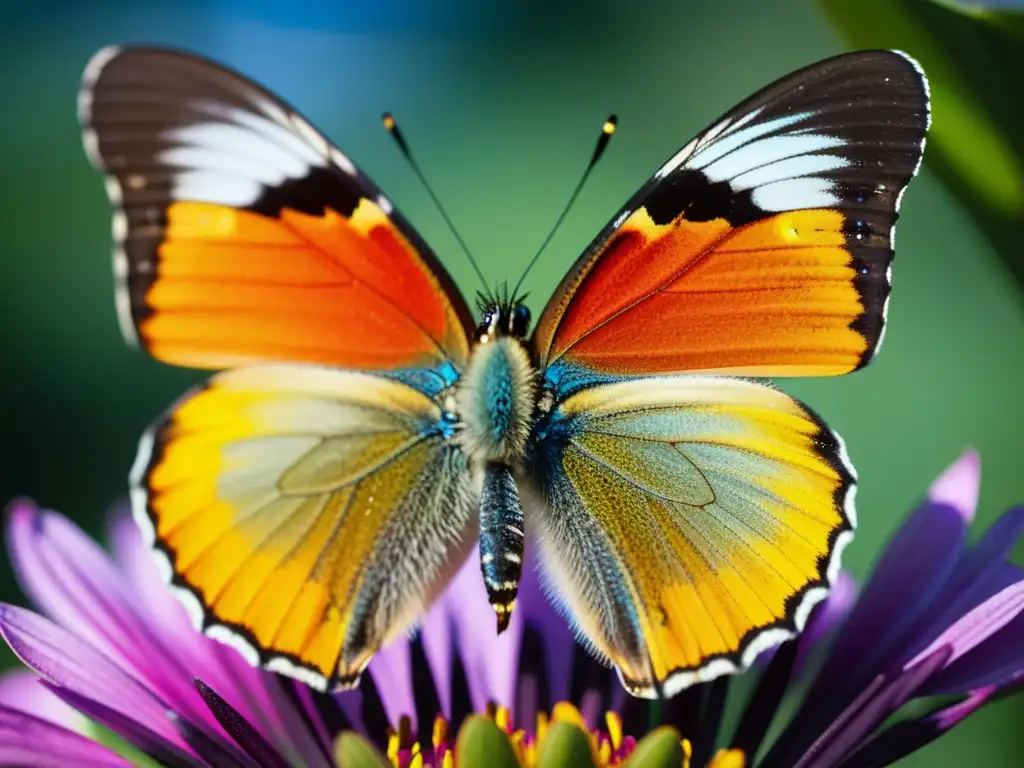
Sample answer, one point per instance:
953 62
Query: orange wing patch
761 248
233 287
242 235
774 297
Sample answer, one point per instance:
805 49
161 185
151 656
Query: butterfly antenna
602 144
392 127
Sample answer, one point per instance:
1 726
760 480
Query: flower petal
554 630
827 615
22 690
490 660
75 582
253 692
887 694
236 726
909 576
437 645
391 670
213 751
996 661
977 625
29 740
958 487
140 737
68 661
899 740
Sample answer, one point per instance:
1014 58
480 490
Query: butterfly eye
520 320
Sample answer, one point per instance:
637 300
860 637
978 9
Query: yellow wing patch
692 523
287 498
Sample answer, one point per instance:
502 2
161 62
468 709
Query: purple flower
120 678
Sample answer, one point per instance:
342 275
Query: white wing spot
223 634
341 160
310 134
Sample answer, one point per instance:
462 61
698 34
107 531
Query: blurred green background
501 102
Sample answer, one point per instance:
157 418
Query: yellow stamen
542 726
440 735
728 758
448 761
503 719
564 712
393 747
687 752
417 761
613 723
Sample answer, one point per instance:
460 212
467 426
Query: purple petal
902 738
877 702
76 583
950 716
958 487
135 560
255 694
29 740
241 730
299 733
22 690
152 744
827 615
351 703
246 688
490 660
994 662
391 670
978 625
436 634
212 750
984 569
68 661
909 576
995 546
539 613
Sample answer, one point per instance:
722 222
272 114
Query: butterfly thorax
496 398
495 404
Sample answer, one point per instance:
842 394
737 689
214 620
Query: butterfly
367 432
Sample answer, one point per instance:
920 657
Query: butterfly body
494 414
364 435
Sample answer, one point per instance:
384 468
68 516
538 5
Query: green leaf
565 746
353 751
661 748
483 743
976 142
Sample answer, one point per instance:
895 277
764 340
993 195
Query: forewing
764 246
689 523
305 515
241 235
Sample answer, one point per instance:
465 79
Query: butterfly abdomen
501 540
495 402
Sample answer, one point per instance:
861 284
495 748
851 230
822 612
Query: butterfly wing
763 247
243 236
305 515
689 522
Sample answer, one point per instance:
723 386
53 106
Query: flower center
610 747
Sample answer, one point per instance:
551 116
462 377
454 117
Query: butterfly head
502 317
